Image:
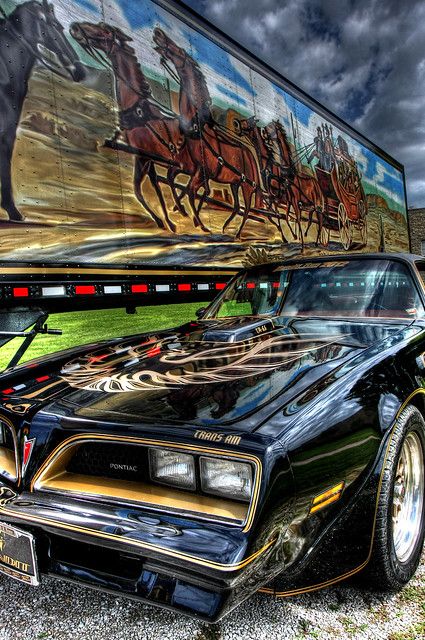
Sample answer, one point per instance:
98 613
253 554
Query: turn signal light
328 497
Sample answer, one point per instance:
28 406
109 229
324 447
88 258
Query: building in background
416 219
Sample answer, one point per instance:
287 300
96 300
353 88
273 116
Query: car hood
204 373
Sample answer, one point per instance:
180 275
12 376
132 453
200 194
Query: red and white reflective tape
53 291
88 289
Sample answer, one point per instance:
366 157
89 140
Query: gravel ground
60 611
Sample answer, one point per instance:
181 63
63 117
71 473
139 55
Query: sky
363 59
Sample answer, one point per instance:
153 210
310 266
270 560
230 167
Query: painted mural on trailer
128 136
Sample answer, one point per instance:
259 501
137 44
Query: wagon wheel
325 235
344 226
362 222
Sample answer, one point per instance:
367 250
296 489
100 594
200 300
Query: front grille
116 471
123 462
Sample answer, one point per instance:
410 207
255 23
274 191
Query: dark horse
303 191
146 128
214 155
275 177
30 34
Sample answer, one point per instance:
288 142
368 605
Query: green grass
90 326
413 593
415 632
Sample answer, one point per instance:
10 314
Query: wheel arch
418 401
360 515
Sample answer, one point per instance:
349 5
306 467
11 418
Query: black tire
386 571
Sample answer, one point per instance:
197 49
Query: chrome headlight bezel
239 466
185 458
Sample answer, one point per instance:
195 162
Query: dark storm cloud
364 59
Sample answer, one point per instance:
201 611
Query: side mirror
200 312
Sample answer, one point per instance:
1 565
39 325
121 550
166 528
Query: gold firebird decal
184 366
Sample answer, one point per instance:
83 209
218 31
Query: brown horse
274 175
145 128
303 191
215 155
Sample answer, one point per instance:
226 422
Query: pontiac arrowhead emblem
28 447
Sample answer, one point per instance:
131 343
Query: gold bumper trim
144 494
137 543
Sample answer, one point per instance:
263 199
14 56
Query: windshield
371 288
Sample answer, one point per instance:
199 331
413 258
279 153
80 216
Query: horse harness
141 114
99 57
220 159
275 176
135 116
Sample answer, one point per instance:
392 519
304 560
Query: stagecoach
344 211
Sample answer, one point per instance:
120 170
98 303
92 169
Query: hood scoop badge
237 330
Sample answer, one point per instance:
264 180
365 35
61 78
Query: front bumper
194 567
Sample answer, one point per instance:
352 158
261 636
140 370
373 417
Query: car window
367 287
249 294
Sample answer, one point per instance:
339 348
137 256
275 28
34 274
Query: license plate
17 554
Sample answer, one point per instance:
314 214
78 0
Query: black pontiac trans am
275 443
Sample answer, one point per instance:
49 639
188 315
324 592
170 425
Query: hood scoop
236 329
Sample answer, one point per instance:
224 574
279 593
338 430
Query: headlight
226 478
172 468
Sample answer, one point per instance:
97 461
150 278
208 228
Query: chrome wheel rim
408 497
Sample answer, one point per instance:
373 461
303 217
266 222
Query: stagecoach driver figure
319 150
